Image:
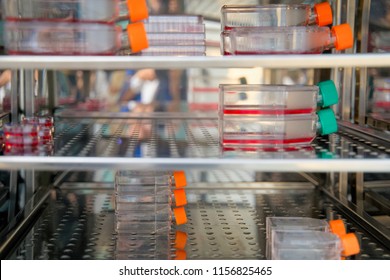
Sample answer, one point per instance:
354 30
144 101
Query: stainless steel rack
224 223
229 194
70 215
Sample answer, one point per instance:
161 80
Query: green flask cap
328 92
328 121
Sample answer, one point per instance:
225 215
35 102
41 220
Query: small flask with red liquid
381 96
274 130
256 99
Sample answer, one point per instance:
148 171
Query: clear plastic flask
143 246
255 99
296 224
313 245
278 130
172 27
76 10
169 25
191 50
126 180
61 10
149 193
304 223
179 19
150 246
275 15
72 38
285 40
149 219
176 39
381 96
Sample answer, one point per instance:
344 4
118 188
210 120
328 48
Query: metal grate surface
78 223
191 138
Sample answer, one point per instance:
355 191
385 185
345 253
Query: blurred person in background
156 90
5 77
5 87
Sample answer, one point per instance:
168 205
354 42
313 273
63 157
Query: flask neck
332 40
313 17
123 11
123 41
318 127
320 99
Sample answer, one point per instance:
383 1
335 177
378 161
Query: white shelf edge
265 165
164 62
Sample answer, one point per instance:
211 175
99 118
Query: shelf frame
163 62
213 158
265 165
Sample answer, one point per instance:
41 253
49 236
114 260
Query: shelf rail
162 62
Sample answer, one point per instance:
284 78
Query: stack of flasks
271 117
80 27
281 29
31 136
149 205
99 27
175 35
380 90
381 97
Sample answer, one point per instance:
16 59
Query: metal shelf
192 143
162 62
223 223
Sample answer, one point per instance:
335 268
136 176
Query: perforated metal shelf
223 223
172 143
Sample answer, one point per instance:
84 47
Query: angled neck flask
275 15
286 40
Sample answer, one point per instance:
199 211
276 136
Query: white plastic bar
280 165
131 62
